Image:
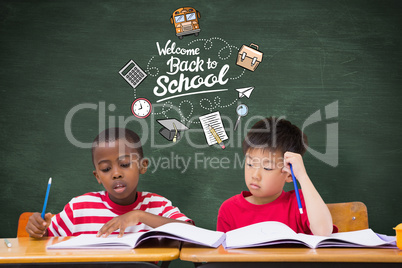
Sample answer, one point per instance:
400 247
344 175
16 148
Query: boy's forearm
317 211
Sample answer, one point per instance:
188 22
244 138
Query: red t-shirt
237 212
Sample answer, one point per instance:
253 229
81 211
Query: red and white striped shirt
86 214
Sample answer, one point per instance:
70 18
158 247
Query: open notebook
175 231
271 233
259 234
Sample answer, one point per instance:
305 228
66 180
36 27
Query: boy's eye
125 165
105 169
268 169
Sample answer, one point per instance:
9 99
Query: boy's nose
117 174
256 174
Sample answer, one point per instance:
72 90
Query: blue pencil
296 190
46 197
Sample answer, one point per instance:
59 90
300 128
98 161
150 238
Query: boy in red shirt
270 146
118 159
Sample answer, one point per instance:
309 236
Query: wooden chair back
22 223
350 216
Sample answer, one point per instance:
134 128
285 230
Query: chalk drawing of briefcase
249 58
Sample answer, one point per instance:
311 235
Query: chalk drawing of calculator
132 73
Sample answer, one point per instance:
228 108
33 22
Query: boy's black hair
275 134
114 134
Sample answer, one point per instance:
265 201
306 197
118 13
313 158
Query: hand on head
297 164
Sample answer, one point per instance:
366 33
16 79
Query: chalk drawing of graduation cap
171 129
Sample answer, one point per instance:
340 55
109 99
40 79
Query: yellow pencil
216 136
175 134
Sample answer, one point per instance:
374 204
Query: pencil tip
50 180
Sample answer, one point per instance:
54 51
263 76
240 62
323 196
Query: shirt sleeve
172 212
62 224
223 224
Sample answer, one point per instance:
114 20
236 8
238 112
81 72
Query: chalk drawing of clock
141 108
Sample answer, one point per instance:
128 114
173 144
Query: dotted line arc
150 69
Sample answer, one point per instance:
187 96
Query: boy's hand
297 165
120 222
36 226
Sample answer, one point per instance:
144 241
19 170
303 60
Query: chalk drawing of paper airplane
246 91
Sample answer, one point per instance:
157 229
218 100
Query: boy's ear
144 166
288 177
97 177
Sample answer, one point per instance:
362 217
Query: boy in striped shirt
118 159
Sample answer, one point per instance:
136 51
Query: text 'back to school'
176 65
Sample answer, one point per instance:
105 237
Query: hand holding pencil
297 163
317 211
39 222
291 159
37 226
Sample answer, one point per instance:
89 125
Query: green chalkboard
331 67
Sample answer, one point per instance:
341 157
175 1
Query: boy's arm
317 211
133 218
36 226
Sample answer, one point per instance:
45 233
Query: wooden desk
295 256
29 250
